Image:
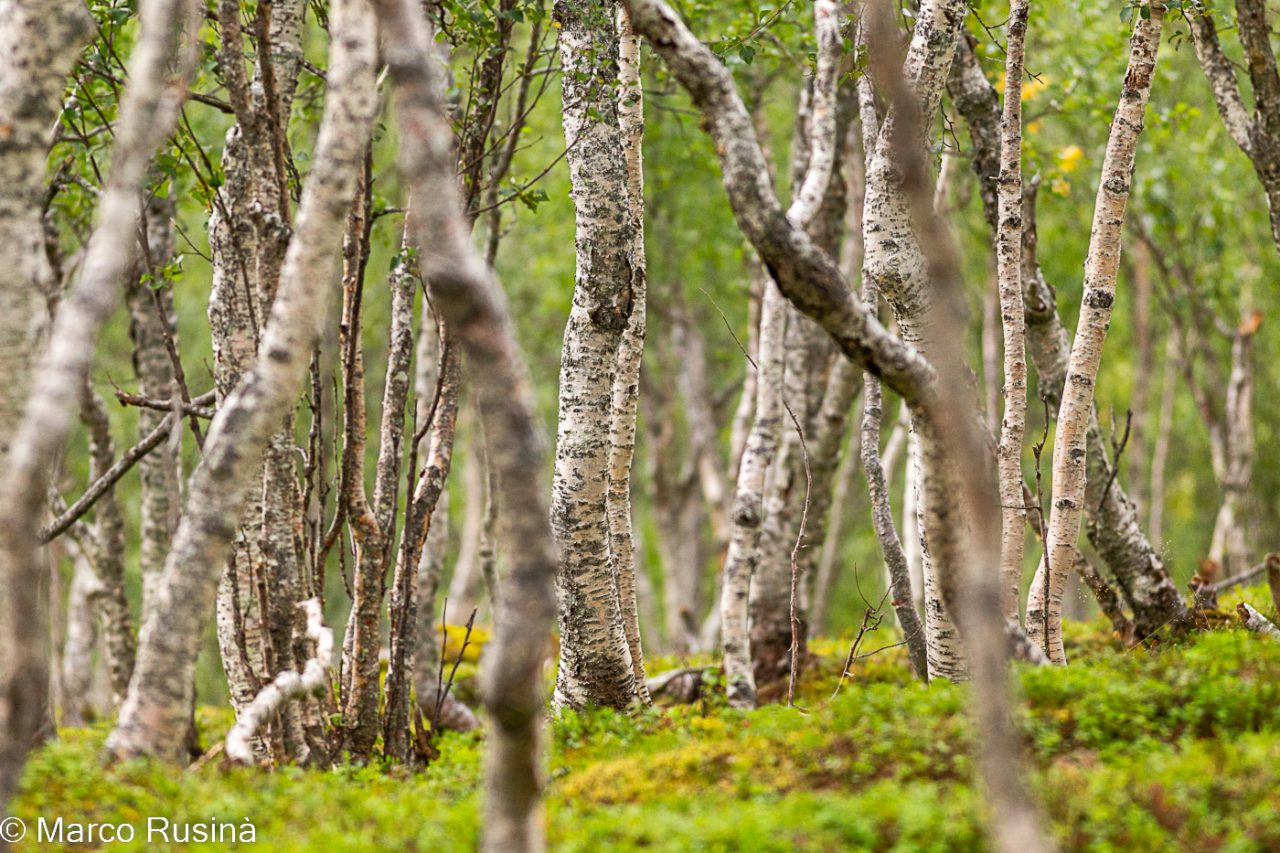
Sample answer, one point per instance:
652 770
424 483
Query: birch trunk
147 111
1257 133
893 257
436 367
1113 528
595 660
1230 542
748 509
376 546
108 548
1044 611
895 559
467 581
626 383
1009 272
248 237
674 495
152 328
1160 447
156 710
472 305
79 645
778 600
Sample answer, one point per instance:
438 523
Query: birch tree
1113 528
596 667
160 694
1009 273
1257 133
1044 607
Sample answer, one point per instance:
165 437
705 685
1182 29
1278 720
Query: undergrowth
1165 748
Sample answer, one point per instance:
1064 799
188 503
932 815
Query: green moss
1176 747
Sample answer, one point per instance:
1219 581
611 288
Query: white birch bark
626 382
1009 273
1229 545
153 322
1256 622
1160 447
285 686
156 710
1044 612
595 660
248 237
748 509
893 257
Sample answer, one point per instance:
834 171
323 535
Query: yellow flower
1069 158
1034 87
1034 127
1060 186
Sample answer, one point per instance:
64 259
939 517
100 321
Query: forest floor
1175 747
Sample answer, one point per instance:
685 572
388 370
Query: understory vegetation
1172 747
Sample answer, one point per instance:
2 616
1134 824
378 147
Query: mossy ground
1171 748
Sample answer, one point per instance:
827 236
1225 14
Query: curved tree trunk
595 660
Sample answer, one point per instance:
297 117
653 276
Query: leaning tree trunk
156 711
1113 526
157 74
39 42
1257 134
1044 607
